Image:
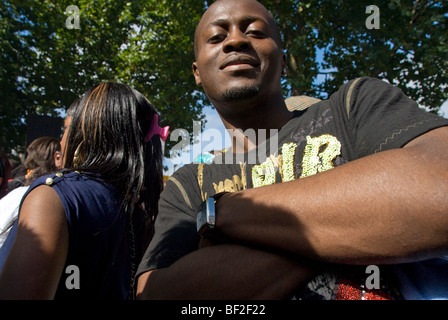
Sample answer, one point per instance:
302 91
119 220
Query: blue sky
213 123
444 110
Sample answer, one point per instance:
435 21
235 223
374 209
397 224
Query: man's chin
243 93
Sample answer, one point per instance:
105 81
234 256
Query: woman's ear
58 160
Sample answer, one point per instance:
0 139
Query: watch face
206 216
211 211
202 216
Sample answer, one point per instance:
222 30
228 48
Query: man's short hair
278 36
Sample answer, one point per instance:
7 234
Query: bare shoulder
41 205
40 248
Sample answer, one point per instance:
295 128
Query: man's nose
236 41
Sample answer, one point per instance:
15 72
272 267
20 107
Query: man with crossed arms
363 181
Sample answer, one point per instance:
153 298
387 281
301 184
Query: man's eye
256 33
217 38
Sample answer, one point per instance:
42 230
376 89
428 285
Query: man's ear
284 65
197 77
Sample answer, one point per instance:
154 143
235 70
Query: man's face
238 52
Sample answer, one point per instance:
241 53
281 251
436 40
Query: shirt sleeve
175 226
381 116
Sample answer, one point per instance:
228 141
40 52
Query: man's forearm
226 272
386 208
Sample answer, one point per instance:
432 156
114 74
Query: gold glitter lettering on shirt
228 185
287 161
201 181
315 161
263 174
243 175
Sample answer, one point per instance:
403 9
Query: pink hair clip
155 129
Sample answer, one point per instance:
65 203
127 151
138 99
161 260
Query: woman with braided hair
82 231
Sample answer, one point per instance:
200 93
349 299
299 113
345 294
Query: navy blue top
98 237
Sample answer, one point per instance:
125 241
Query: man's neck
250 125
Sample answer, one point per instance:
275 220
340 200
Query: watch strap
206 217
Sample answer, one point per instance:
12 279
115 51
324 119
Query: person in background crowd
18 174
43 157
5 174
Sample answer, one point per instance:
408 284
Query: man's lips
239 60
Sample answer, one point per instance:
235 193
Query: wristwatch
206 217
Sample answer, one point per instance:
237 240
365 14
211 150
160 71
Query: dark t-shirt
364 117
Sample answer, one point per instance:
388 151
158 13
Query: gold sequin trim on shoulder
182 191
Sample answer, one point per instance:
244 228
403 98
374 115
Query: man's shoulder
187 171
365 83
183 179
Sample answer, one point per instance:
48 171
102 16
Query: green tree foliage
45 65
148 44
408 50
